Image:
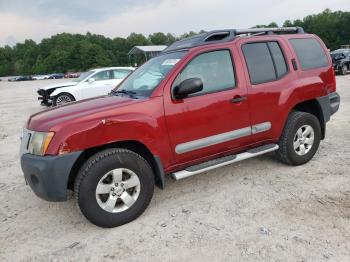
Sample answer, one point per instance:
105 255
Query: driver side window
104 75
214 68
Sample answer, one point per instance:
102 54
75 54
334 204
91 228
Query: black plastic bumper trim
329 105
48 175
160 176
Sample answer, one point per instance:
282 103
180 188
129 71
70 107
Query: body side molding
221 138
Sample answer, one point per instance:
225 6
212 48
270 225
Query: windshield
146 78
83 76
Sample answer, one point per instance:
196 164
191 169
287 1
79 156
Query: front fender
59 90
128 124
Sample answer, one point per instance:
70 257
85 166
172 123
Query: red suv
204 102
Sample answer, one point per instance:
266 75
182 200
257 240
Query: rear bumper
48 175
334 102
329 105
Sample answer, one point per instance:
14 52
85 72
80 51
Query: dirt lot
257 210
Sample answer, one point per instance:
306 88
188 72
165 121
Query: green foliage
76 52
273 24
161 38
332 27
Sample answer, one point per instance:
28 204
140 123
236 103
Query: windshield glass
146 78
83 76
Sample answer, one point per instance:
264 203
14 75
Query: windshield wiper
126 92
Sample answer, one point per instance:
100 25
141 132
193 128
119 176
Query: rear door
208 122
269 79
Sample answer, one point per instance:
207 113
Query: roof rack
219 36
297 30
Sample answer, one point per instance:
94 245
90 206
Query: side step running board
223 161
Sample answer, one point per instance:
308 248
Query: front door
213 120
102 84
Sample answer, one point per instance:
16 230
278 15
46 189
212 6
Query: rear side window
310 53
276 52
265 61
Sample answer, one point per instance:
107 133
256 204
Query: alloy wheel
63 99
303 140
118 190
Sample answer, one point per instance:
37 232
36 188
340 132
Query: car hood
99 106
59 85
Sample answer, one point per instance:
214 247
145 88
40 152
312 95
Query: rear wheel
62 99
300 138
114 187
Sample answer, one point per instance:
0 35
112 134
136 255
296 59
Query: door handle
238 99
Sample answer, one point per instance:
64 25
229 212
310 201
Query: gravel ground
257 210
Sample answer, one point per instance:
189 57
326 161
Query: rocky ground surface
256 210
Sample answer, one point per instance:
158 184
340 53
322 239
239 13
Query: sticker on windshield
170 61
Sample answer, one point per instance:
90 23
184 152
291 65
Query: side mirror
91 80
187 87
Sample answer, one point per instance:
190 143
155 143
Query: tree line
76 52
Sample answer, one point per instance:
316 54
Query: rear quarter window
310 53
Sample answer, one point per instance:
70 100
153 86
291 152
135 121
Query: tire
63 98
343 69
102 208
297 131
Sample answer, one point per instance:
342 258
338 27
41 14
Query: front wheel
114 187
62 99
300 138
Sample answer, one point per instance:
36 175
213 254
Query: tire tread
95 159
293 118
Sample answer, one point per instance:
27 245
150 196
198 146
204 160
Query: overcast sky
37 19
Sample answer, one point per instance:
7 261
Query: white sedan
95 82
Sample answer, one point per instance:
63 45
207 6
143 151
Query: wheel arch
313 107
63 92
132 145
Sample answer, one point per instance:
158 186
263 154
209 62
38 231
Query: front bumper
48 175
44 96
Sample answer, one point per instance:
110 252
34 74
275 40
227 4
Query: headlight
39 142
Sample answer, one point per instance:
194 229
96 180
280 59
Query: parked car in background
341 60
72 75
20 78
96 82
56 76
11 79
203 103
40 77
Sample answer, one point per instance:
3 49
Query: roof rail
298 30
219 36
